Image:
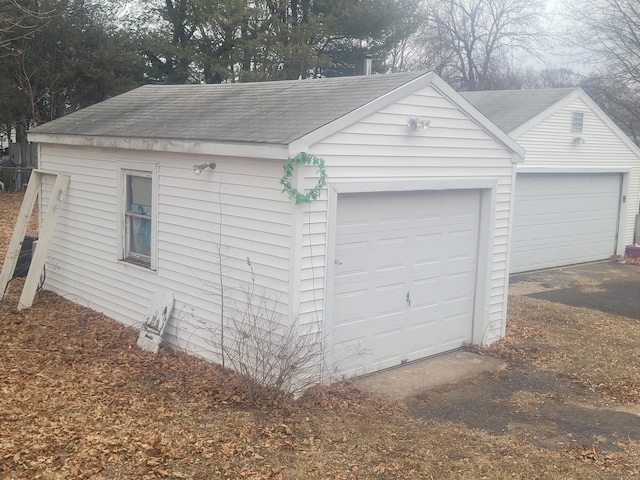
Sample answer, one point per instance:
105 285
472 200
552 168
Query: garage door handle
408 299
337 262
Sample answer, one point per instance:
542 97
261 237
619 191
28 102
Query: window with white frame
138 215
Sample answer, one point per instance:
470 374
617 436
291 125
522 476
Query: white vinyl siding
551 148
242 193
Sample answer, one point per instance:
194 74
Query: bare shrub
273 357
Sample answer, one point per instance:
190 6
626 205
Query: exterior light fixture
197 169
577 140
416 124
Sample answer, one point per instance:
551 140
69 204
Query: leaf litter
80 400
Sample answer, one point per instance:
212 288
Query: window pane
139 189
140 240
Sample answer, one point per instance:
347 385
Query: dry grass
79 400
595 349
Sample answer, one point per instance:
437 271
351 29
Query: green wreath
303 159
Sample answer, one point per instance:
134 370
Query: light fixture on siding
197 169
577 140
416 124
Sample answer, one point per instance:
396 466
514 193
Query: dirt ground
545 409
553 409
609 287
79 400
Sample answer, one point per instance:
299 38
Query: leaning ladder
44 239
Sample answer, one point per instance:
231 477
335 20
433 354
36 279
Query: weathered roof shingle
266 112
509 109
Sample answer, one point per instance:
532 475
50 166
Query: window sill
141 263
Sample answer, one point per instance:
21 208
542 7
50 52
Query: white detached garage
403 255
576 197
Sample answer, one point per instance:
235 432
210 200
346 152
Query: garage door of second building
405 276
563 219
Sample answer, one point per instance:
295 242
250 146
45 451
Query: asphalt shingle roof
509 109
265 112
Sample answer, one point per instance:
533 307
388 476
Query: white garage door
404 281
562 219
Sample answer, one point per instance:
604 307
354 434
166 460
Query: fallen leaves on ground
597 350
79 400
9 207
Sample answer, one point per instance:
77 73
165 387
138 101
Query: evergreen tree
72 56
241 40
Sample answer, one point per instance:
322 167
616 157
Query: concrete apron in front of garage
405 381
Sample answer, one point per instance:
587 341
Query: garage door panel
459 246
425 264
417 348
389 255
367 301
425 291
388 304
427 240
359 258
357 251
420 244
560 219
423 353
352 315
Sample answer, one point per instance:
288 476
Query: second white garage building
576 196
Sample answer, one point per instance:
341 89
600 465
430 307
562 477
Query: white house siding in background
256 225
580 183
605 149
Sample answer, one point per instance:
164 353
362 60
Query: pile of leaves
79 400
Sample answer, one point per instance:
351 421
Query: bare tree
468 42
610 32
619 98
607 36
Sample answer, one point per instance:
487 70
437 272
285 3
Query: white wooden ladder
44 239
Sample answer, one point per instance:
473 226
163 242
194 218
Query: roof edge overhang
537 119
576 94
255 150
422 81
